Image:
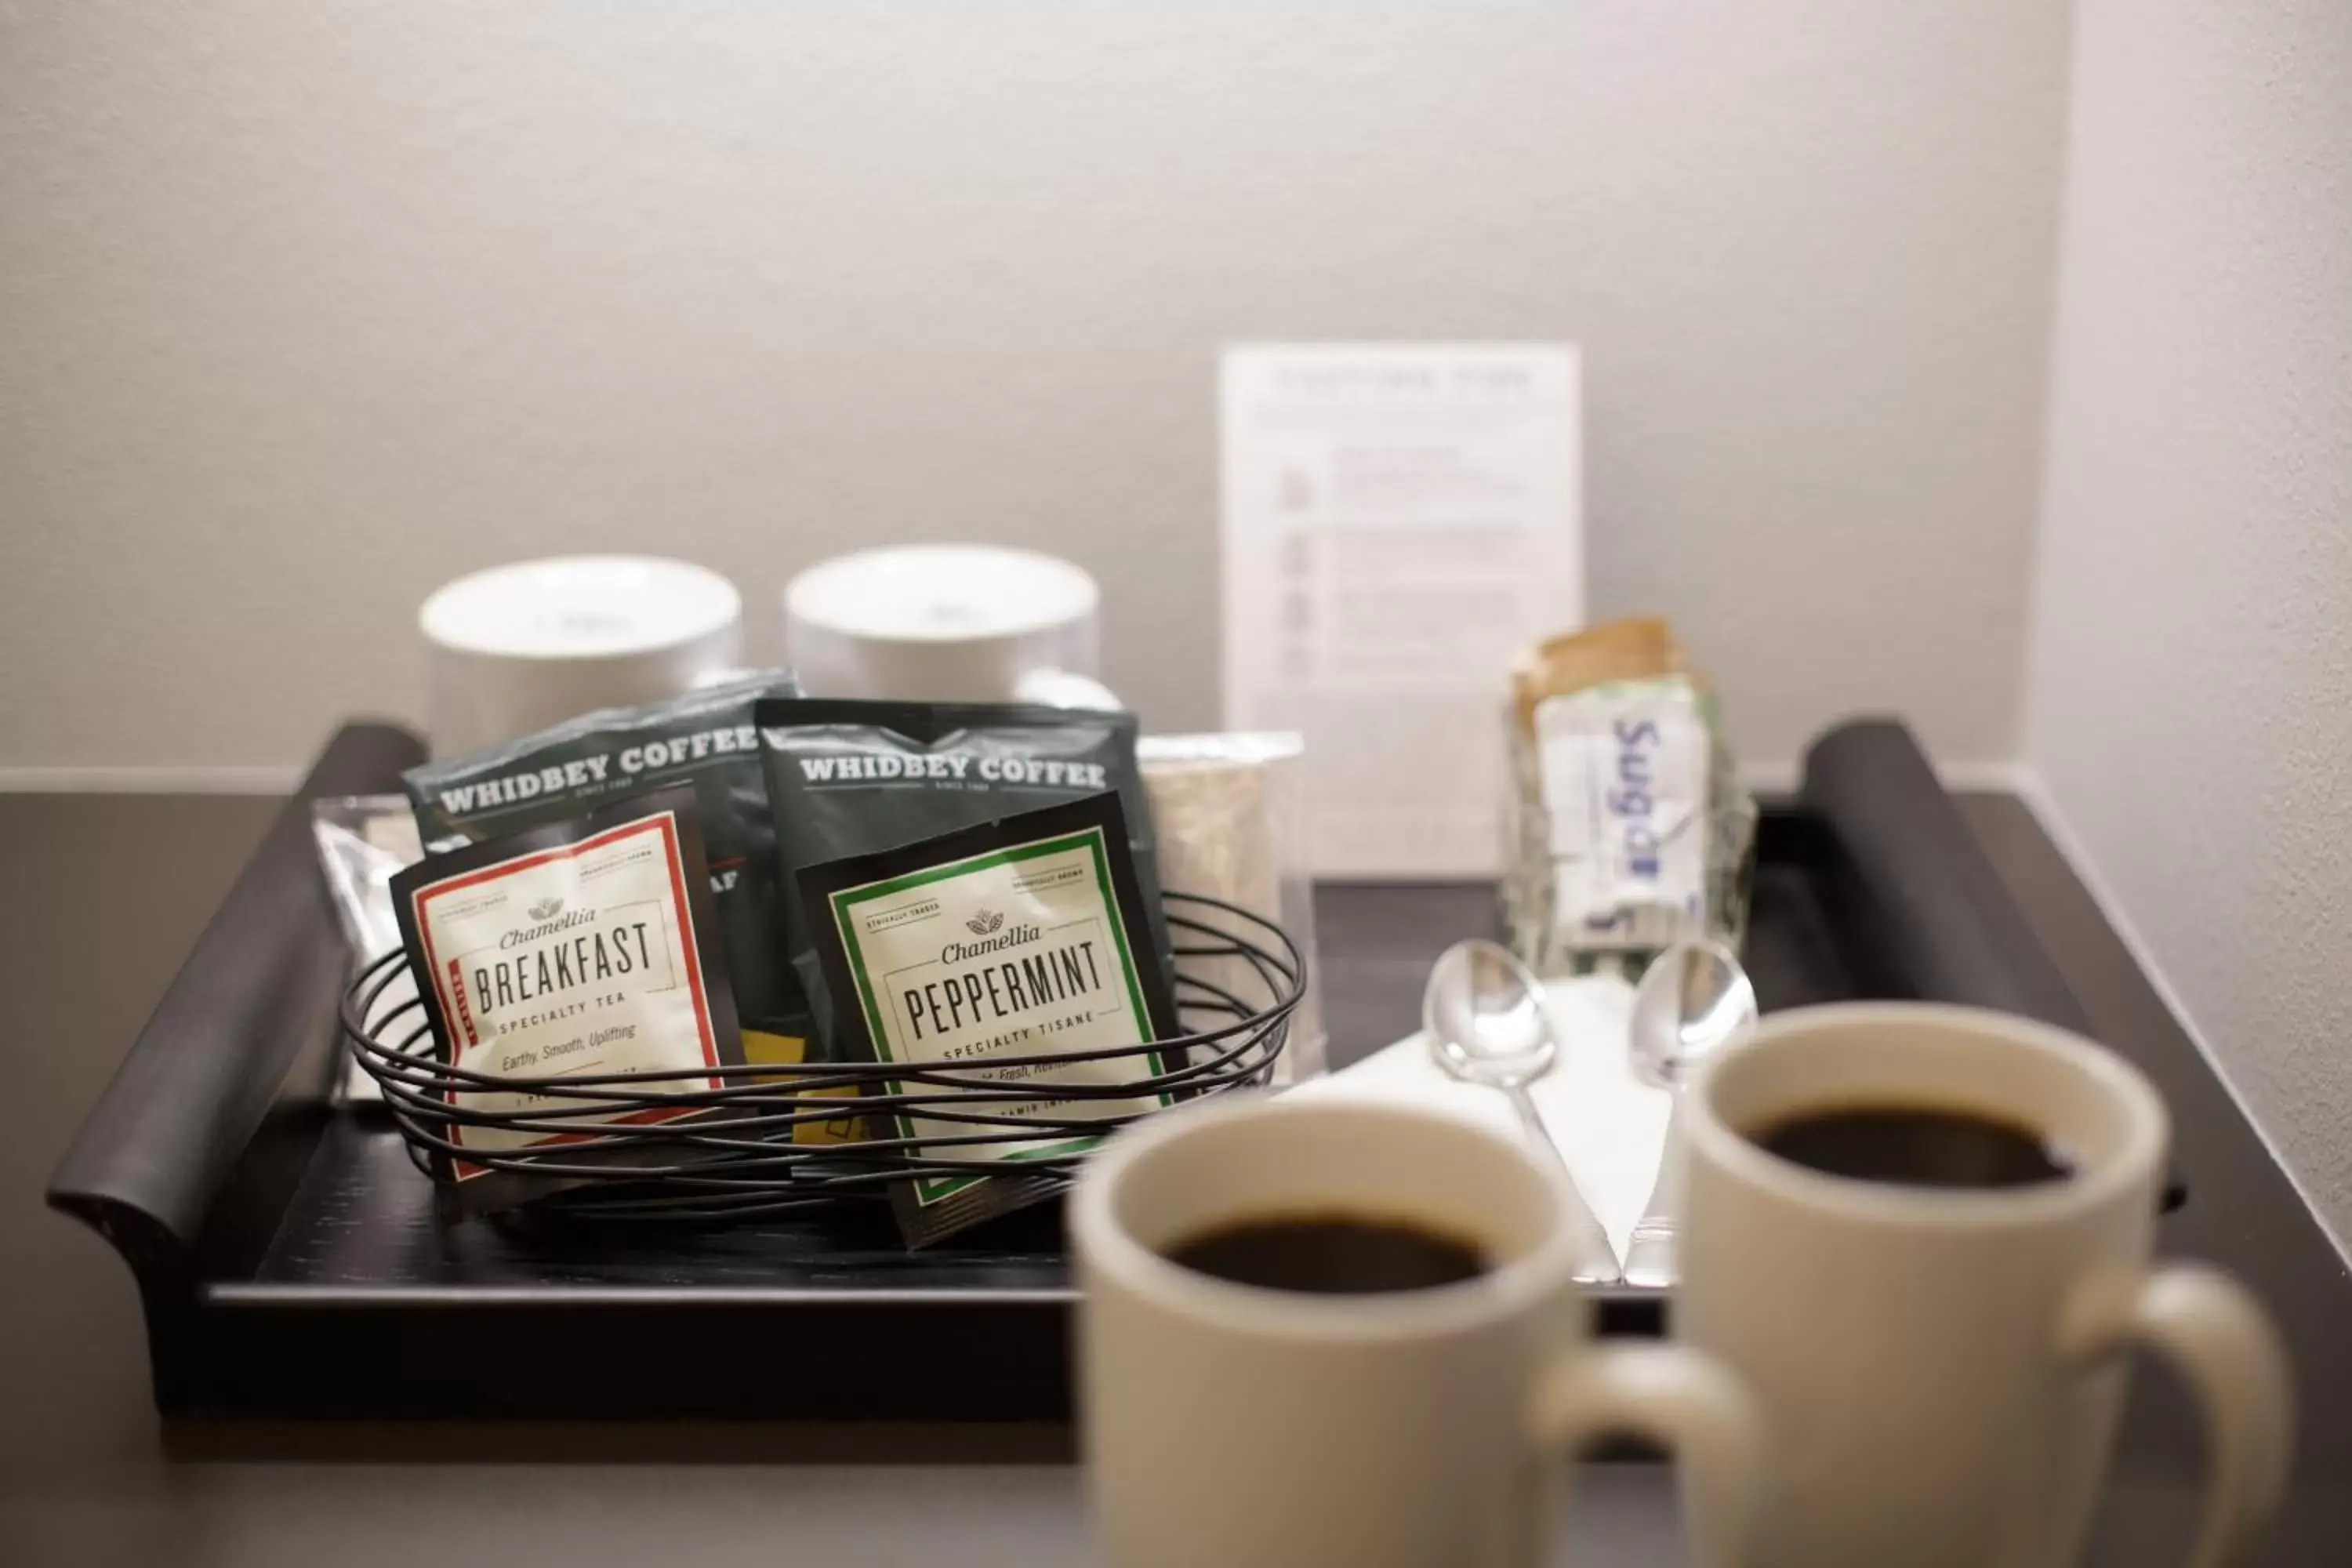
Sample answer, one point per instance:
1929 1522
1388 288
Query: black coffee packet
573 949
972 950
848 777
705 737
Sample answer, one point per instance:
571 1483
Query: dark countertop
110 894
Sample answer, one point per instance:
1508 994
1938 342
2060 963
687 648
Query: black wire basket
778 1140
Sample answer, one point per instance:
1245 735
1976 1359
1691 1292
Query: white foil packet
1230 811
1625 772
364 841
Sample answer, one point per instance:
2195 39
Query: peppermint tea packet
977 952
851 776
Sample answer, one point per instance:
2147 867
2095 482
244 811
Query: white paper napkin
1609 1124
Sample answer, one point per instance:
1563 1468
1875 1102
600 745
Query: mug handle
1679 1398
2220 1342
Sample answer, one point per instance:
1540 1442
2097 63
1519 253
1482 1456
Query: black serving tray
292 1261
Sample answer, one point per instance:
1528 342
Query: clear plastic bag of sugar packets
1628 828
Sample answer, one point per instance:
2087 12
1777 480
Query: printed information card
1401 522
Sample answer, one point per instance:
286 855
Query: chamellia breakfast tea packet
704 738
1004 953
851 776
581 950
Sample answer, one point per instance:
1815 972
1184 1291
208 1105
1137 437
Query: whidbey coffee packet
850 777
705 737
978 951
572 950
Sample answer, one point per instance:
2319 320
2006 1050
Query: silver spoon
1486 1025
1695 1002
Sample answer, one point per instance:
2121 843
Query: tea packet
576 949
704 738
1629 829
1020 938
848 777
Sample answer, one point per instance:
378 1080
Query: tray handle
216 1059
1928 891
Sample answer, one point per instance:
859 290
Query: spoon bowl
1483 1015
1695 1002
1484 1018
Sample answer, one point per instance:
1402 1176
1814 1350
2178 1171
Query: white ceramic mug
1251 1428
1940 1370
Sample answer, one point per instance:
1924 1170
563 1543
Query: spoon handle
1650 1251
1597 1261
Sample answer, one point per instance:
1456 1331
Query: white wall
2191 695
305 307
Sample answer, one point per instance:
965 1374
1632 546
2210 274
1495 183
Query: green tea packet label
577 960
1018 951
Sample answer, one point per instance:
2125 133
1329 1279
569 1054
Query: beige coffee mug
1252 1427
1940 1370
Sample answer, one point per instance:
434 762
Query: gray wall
305 308
2190 694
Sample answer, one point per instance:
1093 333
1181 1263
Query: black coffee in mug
1331 1254
1915 1146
